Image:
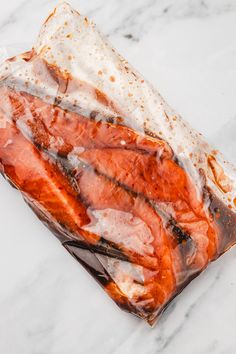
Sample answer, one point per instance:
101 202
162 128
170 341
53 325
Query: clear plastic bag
129 188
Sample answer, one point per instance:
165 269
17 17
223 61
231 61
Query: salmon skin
132 192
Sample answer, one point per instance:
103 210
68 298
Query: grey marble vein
163 342
13 16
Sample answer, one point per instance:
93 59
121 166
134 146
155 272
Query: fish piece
161 180
155 242
72 130
39 179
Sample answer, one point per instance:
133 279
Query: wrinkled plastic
129 188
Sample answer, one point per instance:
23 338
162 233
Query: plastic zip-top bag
130 189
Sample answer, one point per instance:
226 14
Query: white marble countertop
48 303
